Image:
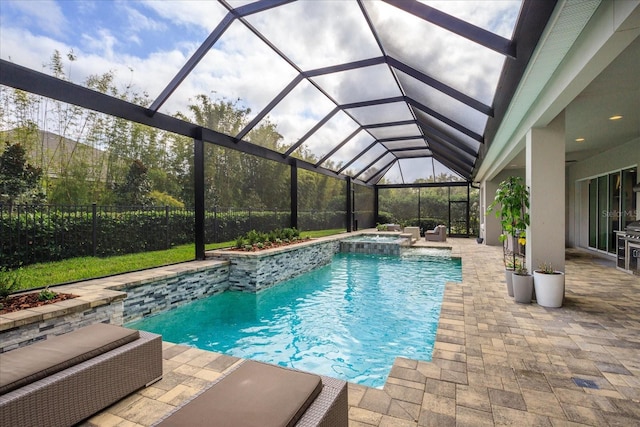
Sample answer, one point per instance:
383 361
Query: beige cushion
255 394
28 364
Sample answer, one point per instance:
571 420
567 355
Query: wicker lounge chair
66 379
438 234
257 394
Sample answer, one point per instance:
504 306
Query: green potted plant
513 197
549 286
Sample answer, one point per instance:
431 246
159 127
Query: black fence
32 234
322 220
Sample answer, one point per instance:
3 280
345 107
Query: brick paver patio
495 362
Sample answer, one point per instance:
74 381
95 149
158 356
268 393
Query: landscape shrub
41 234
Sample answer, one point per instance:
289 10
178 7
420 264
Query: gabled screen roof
386 91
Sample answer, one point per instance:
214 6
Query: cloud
139 23
499 16
102 45
445 56
317 34
362 84
352 148
43 14
330 135
187 13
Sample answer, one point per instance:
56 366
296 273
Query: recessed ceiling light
579 139
615 117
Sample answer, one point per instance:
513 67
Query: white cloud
102 45
24 48
186 13
139 23
444 56
43 14
330 135
314 35
498 16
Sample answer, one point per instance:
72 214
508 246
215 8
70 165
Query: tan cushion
255 394
28 364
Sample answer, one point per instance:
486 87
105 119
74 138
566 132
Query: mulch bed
30 300
255 248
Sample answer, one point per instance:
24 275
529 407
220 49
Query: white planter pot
549 288
522 288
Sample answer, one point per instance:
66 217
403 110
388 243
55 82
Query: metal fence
41 233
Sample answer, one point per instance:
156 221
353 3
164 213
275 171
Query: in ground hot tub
376 243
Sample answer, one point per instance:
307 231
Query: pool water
347 320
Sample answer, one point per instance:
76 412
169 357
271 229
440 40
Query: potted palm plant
549 286
513 197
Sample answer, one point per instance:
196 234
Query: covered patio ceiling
383 92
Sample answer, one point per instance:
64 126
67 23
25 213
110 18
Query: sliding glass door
612 206
628 198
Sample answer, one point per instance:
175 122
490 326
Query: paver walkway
495 362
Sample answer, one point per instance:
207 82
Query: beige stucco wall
492 228
577 191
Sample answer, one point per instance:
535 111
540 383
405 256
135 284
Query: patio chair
66 378
438 234
414 231
260 394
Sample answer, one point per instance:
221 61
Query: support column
491 228
349 205
376 205
198 177
545 177
294 195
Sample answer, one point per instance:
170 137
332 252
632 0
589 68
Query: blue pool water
348 320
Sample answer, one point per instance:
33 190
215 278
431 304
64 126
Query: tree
136 187
17 177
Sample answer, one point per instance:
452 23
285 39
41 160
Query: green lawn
70 270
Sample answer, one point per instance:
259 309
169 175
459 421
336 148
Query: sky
146 42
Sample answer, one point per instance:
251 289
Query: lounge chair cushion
255 394
34 362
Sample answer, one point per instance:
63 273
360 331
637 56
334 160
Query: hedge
39 234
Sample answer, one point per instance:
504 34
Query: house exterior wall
491 225
622 157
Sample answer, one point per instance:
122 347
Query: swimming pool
348 320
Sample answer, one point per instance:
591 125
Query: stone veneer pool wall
256 271
57 322
165 294
115 300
